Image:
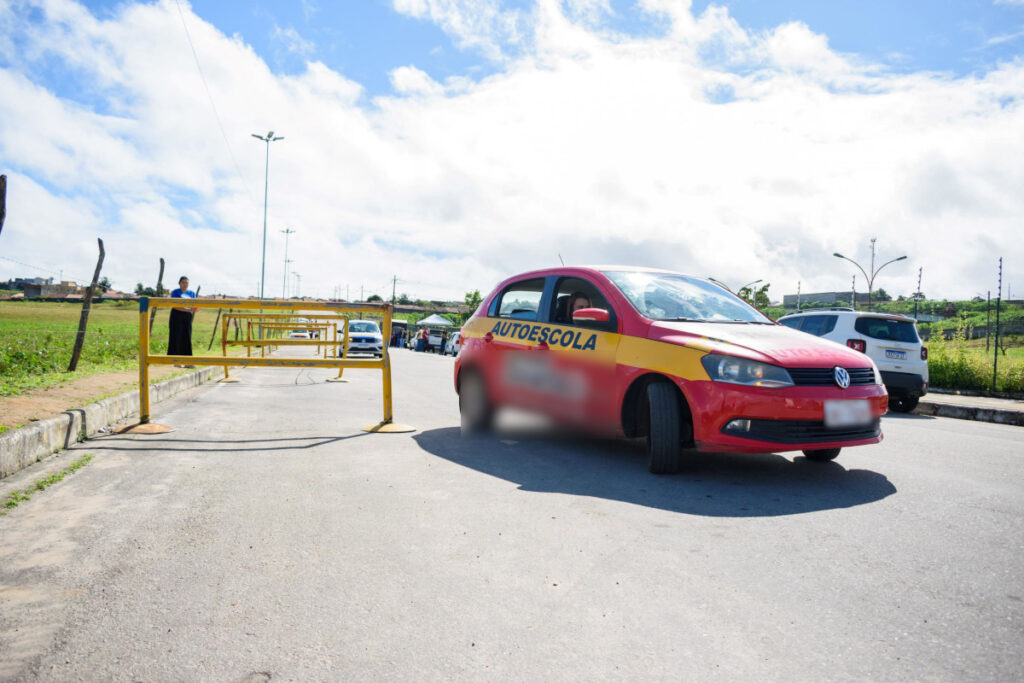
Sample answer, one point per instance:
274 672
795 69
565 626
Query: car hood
775 344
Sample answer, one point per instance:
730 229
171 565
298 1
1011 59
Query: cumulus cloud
709 148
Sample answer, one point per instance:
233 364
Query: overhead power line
216 114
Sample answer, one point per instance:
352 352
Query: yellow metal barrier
338 309
273 318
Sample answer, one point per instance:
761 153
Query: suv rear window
887 329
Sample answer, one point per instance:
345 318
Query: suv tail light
924 353
857 345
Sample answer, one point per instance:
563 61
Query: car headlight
746 372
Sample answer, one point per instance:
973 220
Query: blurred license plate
895 355
846 413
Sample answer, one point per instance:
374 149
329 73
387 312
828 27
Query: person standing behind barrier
179 342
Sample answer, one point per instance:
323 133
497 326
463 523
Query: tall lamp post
718 282
266 182
874 271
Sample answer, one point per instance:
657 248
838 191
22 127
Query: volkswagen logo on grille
841 376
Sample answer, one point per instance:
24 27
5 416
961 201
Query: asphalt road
268 538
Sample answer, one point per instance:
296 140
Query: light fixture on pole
266 182
874 271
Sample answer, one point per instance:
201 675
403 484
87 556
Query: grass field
36 340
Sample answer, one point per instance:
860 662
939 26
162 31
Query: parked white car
365 337
452 347
891 341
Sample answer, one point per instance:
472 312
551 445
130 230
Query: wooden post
3 200
84 319
214 334
159 292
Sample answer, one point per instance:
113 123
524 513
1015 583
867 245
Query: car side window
819 325
521 300
570 289
792 322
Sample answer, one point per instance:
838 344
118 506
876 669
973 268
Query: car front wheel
664 432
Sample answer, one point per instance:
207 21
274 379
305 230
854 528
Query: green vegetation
36 340
962 363
15 498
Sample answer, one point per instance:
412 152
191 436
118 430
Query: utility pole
917 294
797 296
346 293
999 296
394 283
361 293
298 285
853 293
284 286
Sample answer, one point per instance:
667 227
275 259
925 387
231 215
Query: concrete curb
1006 417
21 447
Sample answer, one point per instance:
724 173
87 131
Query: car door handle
488 337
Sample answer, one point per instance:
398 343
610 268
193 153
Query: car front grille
804 431
821 377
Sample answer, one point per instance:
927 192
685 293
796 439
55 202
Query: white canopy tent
434 320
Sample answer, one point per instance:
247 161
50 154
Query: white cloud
293 42
711 149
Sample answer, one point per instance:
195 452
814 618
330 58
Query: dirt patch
39 404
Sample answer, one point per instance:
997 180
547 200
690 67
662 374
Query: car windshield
363 327
669 296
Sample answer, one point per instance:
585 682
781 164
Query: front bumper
790 419
904 384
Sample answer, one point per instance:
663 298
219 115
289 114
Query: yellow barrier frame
275 318
383 364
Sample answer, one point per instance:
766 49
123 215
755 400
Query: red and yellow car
673 358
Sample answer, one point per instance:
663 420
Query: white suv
891 341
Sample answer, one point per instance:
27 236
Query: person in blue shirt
180 341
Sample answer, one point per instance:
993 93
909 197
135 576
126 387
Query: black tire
822 455
903 405
475 408
664 432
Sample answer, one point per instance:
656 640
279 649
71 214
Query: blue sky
455 142
366 39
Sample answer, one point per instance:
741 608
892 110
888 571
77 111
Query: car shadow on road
713 484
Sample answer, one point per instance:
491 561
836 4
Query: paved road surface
268 537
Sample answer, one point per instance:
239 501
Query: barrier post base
388 428
146 428
224 380
336 379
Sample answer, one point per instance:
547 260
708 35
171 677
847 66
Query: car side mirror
590 315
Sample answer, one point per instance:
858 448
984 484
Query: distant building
49 290
838 298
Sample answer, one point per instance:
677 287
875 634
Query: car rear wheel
664 432
822 455
902 405
474 406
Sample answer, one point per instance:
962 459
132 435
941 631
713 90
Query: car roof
859 314
594 270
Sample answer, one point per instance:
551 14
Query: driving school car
673 358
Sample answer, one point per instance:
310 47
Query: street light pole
266 183
874 271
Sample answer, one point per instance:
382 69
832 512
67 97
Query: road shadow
117 442
713 485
